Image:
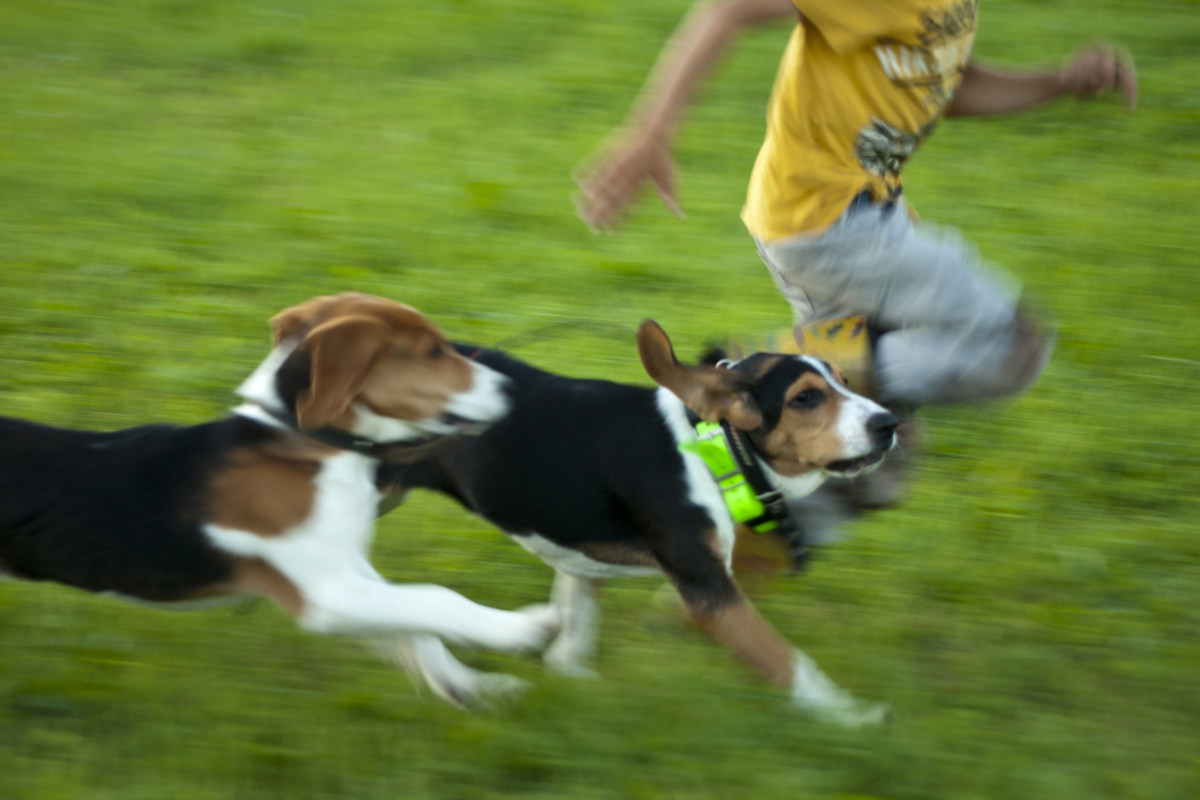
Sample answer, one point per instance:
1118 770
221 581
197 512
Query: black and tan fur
589 475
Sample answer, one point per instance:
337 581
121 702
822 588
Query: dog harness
748 495
744 503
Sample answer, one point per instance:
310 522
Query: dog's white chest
346 500
337 532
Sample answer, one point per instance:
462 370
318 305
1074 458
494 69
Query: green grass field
173 173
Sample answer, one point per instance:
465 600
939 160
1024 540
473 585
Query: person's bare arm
641 149
1091 73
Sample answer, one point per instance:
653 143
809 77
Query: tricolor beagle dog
278 500
601 479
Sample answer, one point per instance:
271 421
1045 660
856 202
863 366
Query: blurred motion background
172 173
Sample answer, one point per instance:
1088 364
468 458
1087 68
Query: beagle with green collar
602 479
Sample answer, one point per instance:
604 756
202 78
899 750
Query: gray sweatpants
950 320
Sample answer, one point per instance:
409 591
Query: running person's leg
953 329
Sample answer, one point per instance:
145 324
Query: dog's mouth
853 466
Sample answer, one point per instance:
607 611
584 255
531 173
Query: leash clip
773 500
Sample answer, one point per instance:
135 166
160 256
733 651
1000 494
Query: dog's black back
118 511
583 463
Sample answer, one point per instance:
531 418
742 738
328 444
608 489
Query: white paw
482 691
854 713
564 658
431 665
539 625
813 691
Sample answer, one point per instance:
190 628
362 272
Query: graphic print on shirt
936 65
882 149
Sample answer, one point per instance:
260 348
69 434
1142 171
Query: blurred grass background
172 173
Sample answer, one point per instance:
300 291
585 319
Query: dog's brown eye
436 351
808 398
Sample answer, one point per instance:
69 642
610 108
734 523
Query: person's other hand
1099 69
608 185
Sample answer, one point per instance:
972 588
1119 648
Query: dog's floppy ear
299 320
296 320
713 393
343 352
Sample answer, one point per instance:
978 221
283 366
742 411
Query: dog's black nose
882 428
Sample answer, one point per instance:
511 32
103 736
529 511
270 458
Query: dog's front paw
564 657
855 713
432 666
482 691
813 691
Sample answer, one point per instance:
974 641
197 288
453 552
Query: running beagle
602 479
277 500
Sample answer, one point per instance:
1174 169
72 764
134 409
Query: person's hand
1099 69
609 185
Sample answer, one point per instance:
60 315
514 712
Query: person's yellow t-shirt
861 83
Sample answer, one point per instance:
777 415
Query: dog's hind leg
572 651
339 592
362 605
432 665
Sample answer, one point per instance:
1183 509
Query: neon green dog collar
713 448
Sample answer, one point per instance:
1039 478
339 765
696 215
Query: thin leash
554 330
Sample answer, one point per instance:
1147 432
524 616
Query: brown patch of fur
739 627
411 383
265 491
300 320
760 561
713 393
806 439
256 578
296 448
620 554
759 553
